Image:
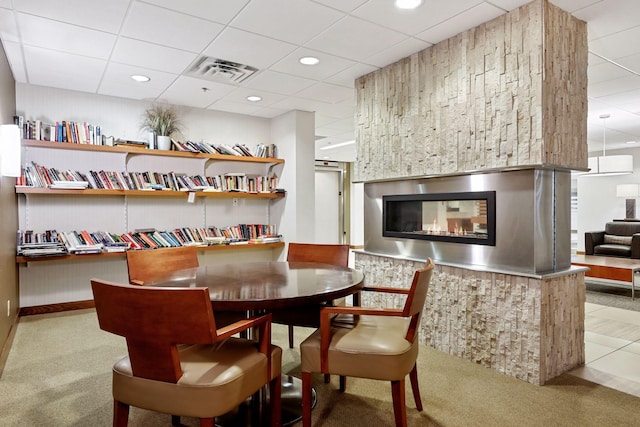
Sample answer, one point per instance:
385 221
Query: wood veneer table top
267 285
612 268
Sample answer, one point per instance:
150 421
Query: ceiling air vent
219 70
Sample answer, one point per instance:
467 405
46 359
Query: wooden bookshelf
94 257
146 152
145 193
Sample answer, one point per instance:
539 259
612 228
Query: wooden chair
309 316
381 345
179 362
144 265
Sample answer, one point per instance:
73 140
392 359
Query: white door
328 206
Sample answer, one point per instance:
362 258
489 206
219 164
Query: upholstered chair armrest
591 239
386 290
635 246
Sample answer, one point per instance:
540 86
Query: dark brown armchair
619 238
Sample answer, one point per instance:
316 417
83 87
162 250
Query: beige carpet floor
58 374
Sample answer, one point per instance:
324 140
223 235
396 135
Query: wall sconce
630 192
10 150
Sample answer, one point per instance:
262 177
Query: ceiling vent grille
219 70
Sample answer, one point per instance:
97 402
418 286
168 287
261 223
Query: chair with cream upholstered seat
309 315
382 344
179 362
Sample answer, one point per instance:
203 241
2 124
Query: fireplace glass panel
467 217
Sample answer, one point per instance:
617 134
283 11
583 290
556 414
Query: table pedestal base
252 412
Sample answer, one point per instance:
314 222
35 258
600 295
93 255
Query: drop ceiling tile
275 82
511 4
234 107
355 39
412 22
348 77
606 18
45 33
188 91
614 86
8 27
461 22
572 6
325 92
153 56
343 125
269 112
293 103
214 10
328 65
63 70
340 110
343 5
6 3
121 74
632 62
127 90
239 95
604 71
16 61
397 52
248 48
324 120
616 45
286 20
97 14
168 28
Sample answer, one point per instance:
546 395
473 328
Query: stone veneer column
511 92
528 328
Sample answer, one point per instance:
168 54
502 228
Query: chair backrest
154 321
417 296
143 265
321 253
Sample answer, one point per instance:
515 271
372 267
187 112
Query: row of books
261 150
64 131
35 175
51 242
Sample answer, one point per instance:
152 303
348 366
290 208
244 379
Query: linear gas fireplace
465 217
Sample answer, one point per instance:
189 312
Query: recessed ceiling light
407 4
309 60
140 78
631 142
254 98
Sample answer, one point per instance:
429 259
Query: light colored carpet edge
59 374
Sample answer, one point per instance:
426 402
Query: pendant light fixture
609 165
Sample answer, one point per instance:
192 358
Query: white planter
164 142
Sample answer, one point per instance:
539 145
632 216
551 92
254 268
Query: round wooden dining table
258 287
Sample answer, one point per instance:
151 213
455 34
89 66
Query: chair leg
413 377
175 420
275 398
290 336
306 399
399 408
120 414
207 422
327 378
343 383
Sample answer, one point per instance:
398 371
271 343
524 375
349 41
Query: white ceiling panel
275 82
149 55
614 86
608 17
16 61
8 27
221 11
356 39
286 20
293 103
510 4
126 90
616 45
154 24
121 73
234 107
329 65
248 48
430 13
6 3
348 77
97 14
463 21
269 112
63 70
605 71
632 62
188 91
326 92
573 6
239 95
343 5
45 33
397 52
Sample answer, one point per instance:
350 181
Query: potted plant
163 122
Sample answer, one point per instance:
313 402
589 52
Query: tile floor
612 348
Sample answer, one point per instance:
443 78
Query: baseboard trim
56 308
6 347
